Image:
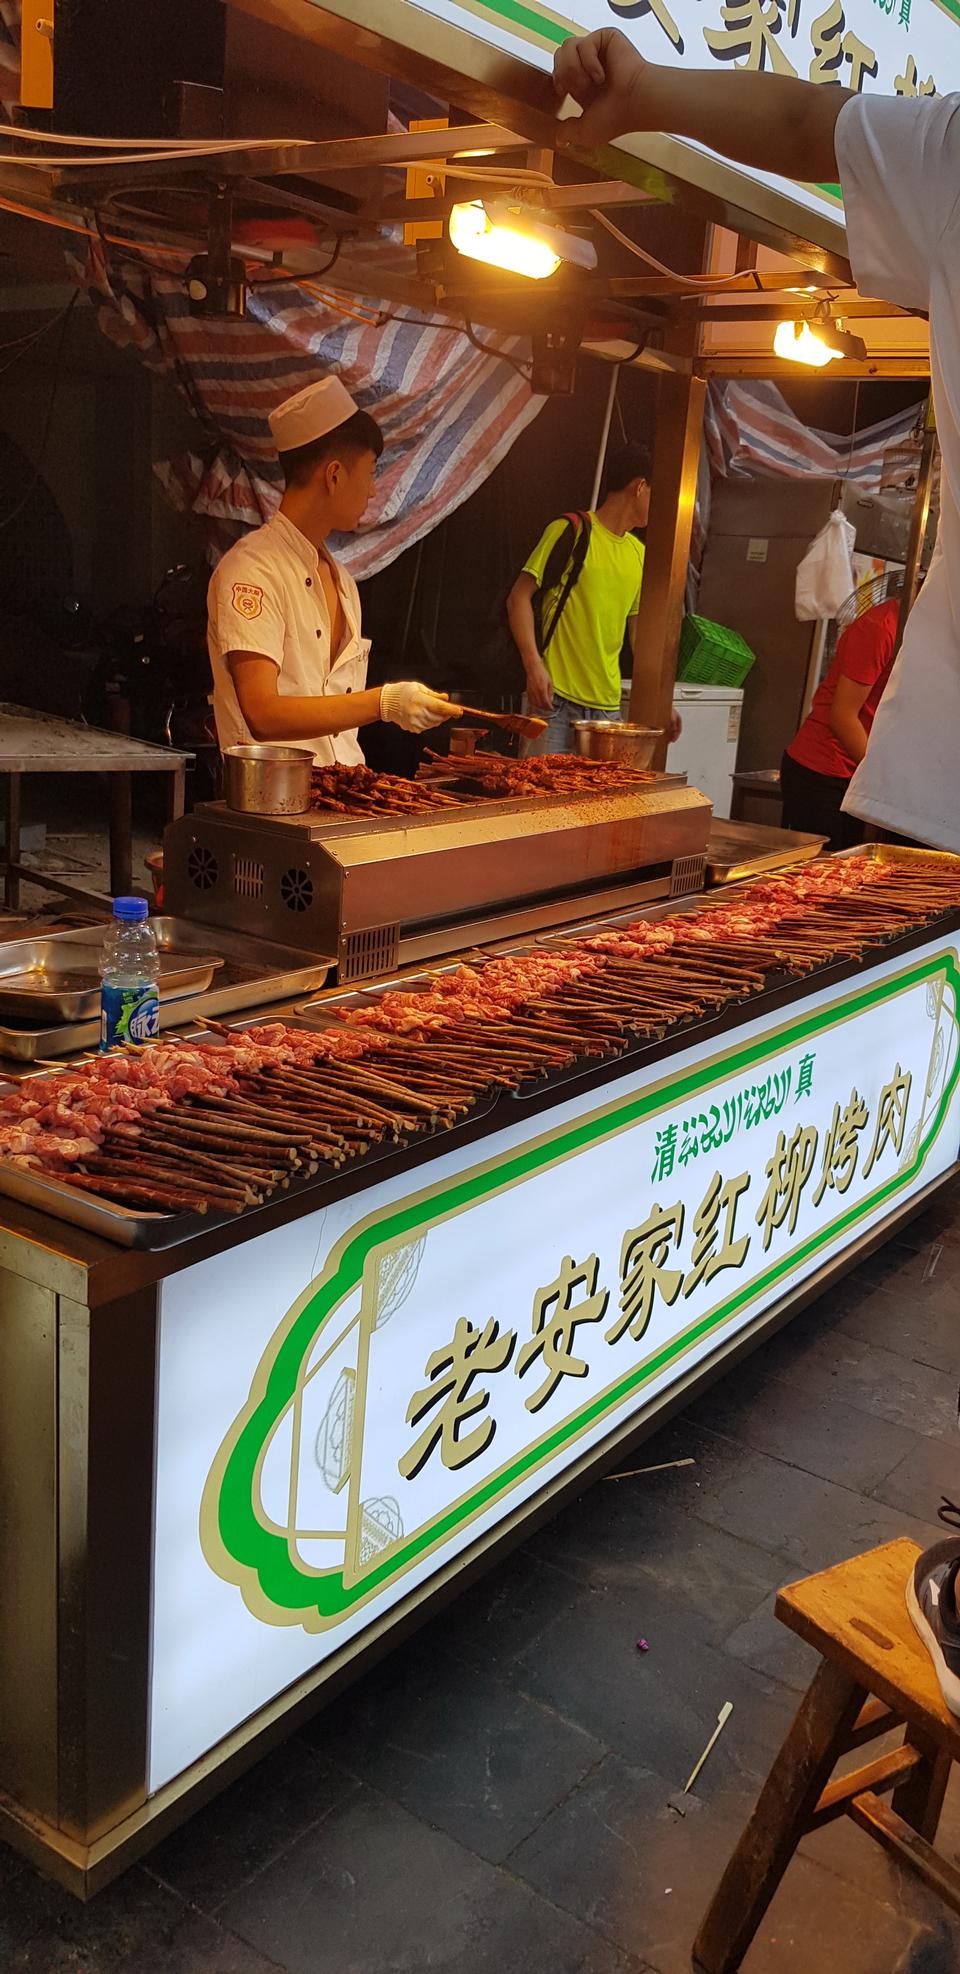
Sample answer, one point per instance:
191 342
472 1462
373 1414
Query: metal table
35 743
762 784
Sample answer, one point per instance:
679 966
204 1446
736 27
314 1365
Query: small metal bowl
265 779
617 740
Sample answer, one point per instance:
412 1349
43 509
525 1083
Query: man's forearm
773 122
303 718
523 629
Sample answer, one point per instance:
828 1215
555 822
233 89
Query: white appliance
706 751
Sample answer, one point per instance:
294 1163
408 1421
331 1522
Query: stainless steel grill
382 892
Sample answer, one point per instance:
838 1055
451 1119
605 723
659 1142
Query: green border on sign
548 30
237 1544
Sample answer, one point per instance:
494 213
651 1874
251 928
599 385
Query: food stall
308 1312
311 1311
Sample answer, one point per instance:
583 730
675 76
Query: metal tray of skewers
242 973
541 1078
210 1137
304 1120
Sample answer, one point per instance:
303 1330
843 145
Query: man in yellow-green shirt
572 659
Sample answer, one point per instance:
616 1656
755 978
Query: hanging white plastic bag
825 577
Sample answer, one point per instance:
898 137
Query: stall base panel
372 1391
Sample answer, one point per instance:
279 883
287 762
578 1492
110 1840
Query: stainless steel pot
265 779
616 740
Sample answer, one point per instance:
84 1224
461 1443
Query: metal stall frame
515 104
80 1319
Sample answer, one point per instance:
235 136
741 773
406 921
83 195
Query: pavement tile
872 1379
771 1648
492 1621
135 1926
374 1890
926 1329
712 1577
819 1924
658 1707
647 1515
621 1859
234 1836
913 1271
812 1428
918 1482
810 1522
471 1755
697 1577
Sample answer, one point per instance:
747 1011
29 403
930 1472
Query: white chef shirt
899 160
266 596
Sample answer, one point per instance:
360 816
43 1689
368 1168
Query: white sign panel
347 1403
892 47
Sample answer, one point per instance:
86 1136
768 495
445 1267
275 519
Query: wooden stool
875 1676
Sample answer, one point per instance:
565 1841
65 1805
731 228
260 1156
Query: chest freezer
706 751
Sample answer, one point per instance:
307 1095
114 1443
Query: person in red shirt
818 765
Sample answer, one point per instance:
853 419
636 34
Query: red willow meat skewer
358 791
230 1125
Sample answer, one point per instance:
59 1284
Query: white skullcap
319 409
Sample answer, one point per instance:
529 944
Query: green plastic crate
710 654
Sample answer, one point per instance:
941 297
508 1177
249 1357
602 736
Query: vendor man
569 614
898 162
283 618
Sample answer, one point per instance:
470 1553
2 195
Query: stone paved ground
493 1799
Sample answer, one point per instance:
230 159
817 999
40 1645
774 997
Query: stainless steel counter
158 1633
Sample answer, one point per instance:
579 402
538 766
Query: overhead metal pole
605 434
676 459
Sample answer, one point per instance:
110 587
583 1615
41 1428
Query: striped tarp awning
751 430
449 411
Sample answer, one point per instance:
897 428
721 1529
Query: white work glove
408 704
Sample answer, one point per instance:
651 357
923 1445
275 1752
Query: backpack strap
564 564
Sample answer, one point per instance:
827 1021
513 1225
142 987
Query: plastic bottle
129 977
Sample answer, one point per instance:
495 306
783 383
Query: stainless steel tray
126 1226
132 1228
252 973
96 1216
737 850
58 977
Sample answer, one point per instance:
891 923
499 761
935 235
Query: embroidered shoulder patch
247 600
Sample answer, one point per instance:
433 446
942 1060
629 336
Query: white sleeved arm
245 611
899 161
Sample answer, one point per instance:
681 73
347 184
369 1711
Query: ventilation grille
688 874
296 890
247 877
203 869
364 955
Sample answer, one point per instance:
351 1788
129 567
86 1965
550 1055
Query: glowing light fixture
799 344
816 341
512 238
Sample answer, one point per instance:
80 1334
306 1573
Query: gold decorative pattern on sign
335 1438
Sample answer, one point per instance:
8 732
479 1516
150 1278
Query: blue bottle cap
129 910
